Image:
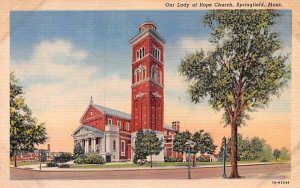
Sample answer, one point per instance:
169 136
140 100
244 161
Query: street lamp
189 143
224 157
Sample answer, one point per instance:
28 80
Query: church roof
113 112
89 128
144 33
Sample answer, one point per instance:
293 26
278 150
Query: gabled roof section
88 128
112 112
108 111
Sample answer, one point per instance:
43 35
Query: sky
62 58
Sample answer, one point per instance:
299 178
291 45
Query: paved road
275 171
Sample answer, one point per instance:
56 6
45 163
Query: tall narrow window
114 145
119 125
123 148
127 126
144 73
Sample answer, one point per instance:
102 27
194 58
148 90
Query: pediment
83 132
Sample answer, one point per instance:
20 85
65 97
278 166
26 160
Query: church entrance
108 158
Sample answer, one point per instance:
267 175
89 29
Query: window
122 148
114 145
119 124
140 53
156 53
127 126
109 121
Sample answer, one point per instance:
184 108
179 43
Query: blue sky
64 57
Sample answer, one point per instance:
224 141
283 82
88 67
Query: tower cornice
141 35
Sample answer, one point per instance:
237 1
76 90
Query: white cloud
58 85
191 44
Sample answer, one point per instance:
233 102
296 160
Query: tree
285 154
25 132
266 153
78 151
204 143
242 72
179 142
276 154
248 148
151 144
43 156
139 153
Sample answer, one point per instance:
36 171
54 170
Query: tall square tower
147 95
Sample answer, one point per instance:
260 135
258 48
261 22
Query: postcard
149 94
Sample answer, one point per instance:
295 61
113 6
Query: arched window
144 73
152 71
143 52
114 145
140 53
123 148
138 76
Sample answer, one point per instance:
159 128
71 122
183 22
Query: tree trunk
194 160
15 156
233 152
151 160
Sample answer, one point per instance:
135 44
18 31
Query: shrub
80 160
62 158
94 158
172 159
202 159
64 166
52 164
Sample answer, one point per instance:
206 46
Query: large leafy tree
243 71
179 142
25 131
151 144
202 142
139 152
248 148
147 144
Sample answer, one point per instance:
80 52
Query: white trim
123 153
125 137
125 132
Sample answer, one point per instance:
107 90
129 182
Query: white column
94 144
103 144
86 146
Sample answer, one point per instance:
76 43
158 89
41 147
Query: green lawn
23 163
160 164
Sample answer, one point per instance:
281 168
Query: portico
90 139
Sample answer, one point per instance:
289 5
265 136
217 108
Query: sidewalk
44 168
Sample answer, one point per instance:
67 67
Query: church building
110 132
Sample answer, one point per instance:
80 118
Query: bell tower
147 89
